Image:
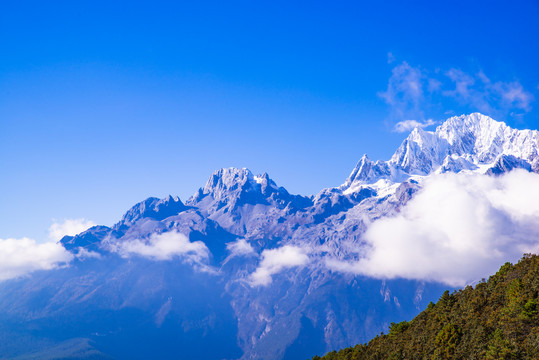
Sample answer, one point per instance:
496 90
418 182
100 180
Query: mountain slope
498 319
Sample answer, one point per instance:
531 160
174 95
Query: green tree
446 341
498 348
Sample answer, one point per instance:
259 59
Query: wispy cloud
19 257
487 96
390 58
407 125
70 227
276 260
404 93
514 95
463 85
458 229
412 92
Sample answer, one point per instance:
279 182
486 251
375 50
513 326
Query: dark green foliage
499 319
499 347
446 341
397 328
530 309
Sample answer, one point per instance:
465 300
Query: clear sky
103 105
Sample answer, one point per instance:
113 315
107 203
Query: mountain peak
484 139
481 127
226 180
152 207
475 137
420 152
361 171
466 142
473 121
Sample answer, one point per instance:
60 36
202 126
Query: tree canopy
498 319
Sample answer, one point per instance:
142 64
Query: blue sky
103 105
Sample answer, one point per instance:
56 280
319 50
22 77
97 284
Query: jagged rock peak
362 168
420 152
225 180
475 137
367 171
480 125
484 139
463 142
235 187
153 208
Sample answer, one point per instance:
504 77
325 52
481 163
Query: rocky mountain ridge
240 224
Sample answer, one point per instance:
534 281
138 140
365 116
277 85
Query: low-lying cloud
19 257
240 248
276 260
164 246
70 227
457 229
408 125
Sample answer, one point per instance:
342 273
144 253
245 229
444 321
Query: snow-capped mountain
242 264
472 142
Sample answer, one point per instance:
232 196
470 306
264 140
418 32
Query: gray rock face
506 163
241 220
152 208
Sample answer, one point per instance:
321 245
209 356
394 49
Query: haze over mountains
260 273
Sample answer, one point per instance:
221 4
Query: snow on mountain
483 139
472 143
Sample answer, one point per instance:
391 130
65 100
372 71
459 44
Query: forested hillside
498 319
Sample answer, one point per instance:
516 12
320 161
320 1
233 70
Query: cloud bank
164 246
457 229
276 260
69 227
19 257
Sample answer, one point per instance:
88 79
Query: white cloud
458 229
240 248
408 92
164 246
19 257
408 125
83 253
276 260
68 227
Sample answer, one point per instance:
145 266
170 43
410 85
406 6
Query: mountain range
244 269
